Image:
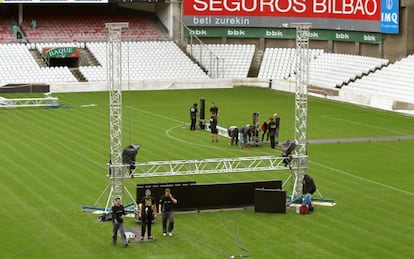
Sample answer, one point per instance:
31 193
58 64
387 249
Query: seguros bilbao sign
352 15
342 9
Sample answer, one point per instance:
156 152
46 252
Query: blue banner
390 16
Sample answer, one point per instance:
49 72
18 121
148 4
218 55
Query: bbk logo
342 36
314 35
199 32
369 37
274 33
236 33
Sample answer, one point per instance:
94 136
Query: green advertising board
354 36
61 52
284 33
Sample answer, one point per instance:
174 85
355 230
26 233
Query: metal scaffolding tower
117 171
114 80
301 107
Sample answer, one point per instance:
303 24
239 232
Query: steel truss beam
301 106
47 101
212 165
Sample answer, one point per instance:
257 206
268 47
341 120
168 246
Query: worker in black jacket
233 132
118 213
147 212
166 205
213 129
193 116
246 135
272 132
277 121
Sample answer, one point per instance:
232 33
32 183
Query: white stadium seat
395 81
325 69
224 60
145 60
20 67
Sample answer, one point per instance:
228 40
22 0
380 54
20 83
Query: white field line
363 179
366 125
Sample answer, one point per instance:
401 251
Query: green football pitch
53 161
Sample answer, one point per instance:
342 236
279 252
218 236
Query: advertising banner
353 15
61 52
390 16
52 1
284 33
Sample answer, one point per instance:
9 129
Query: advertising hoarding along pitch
354 15
284 33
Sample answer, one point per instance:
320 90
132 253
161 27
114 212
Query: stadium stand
18 66
6 33
279 63
85 24
336 70
326 70
234 60
394 81
147 60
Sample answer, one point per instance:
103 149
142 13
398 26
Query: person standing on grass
265 130
118 213
214 114
193 116
166 204
272 132
147 212
214 111
213 129
277 121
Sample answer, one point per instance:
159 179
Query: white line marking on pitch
167 132
189 142
363 179
155 114
364 124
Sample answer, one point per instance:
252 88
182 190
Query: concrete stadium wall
165 14
410 28
177 33
327 46
278 43
101 86
345 48
141 6
370 50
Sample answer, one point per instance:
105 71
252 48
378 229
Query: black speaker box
269 200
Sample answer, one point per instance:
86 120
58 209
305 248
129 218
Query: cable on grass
39 238
245 251
208 245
